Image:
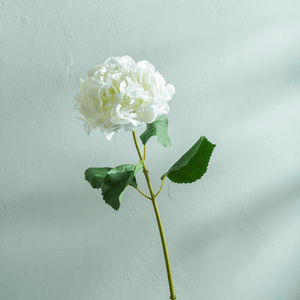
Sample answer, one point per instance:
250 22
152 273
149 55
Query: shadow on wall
53 245
256 66
255 236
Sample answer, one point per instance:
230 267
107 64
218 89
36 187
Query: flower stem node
145 171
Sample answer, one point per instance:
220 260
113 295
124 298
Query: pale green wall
233 235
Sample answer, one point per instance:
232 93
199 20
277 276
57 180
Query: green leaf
116 181
157 128
95 176
193 164
133 182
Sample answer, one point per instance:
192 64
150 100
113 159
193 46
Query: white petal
95 83
89 112
108 135
93 70
144 64
149 117
94 99
80 95
132 87
128 60
171 89
123 86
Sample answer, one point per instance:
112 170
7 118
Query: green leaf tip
113 181
159 129
193 164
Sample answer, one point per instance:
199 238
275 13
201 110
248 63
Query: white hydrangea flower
121 95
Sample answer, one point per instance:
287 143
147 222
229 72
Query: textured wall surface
233 235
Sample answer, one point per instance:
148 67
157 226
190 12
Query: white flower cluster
121 94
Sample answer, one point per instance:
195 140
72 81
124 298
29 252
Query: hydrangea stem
162 235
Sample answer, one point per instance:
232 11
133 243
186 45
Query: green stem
162 235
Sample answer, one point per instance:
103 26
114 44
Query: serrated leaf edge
167 174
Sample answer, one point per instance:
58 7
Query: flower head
121 95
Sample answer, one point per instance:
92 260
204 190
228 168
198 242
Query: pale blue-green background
233 235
